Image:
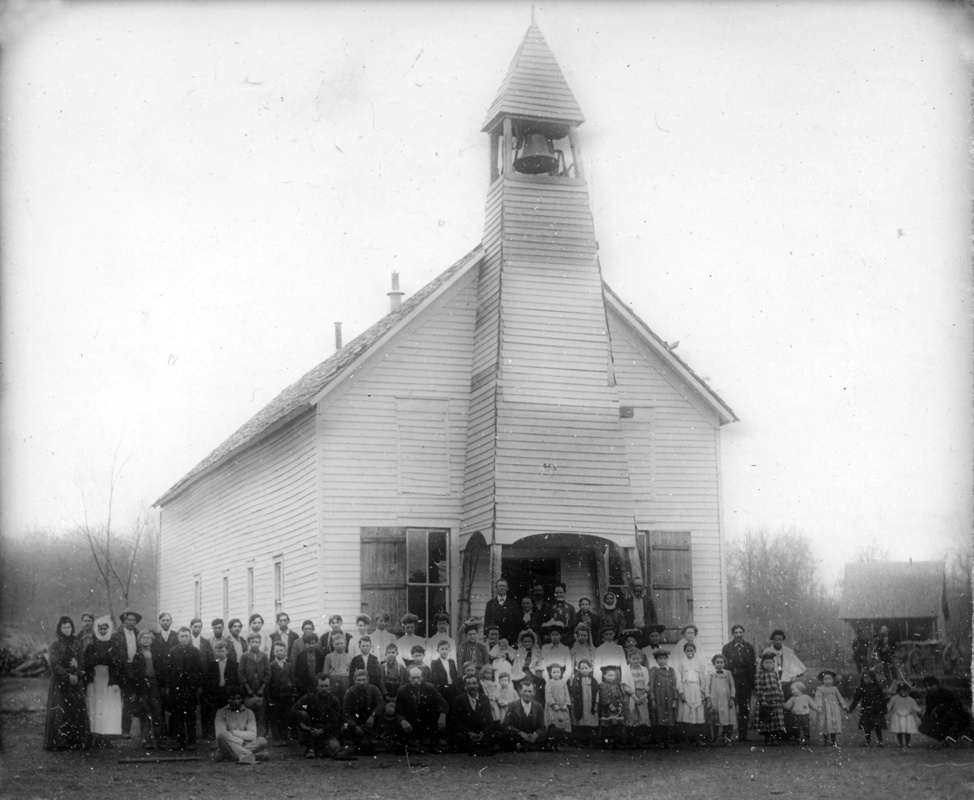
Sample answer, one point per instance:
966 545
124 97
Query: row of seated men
420 719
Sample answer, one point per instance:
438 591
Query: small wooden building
512 417
908 597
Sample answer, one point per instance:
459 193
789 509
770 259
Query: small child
506 693
337 662
663 699
829 704
418 654
502 657
771 701
491 689
280 695
392 674
722 694
638 718
872 713
799 704
584 691
558 702
904 714
612 703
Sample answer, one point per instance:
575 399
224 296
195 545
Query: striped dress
771 701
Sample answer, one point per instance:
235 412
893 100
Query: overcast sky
193 194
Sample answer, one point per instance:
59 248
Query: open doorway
522 572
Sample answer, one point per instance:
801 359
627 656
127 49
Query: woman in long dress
103 663
67 717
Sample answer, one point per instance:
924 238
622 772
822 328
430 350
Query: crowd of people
530 675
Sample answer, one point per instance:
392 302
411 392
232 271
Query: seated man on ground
472 726
362 709
524 726
236 732
420 712
317 718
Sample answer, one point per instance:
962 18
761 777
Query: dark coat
372 669
318 711
420 707
741 662
438 678
281 682
292 637
464 719
185 673
100 653
306 679
211 678
575 692
137 681
362 702
255 673
649 611
506 617
517 721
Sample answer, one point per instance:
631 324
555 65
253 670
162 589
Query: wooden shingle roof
535 87
894 590
300 396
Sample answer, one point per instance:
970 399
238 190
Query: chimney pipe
395 296
338 336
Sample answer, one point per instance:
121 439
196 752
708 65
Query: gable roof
534 87
894 590
304 393
677 364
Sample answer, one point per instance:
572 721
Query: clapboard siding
383 415
672 442
259 505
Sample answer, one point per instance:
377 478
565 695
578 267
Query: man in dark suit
564 612
443 673
317 717
504 612
283 634
127 643
472 728
741 663
362 709
366 661
218 676
640 608
524 726
420 712
185 674
308 664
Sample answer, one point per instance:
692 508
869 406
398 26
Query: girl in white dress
904 714
690 683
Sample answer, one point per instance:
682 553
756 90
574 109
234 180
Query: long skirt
67 717
104 704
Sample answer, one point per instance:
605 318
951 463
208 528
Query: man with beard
420 712
317 717
741 662
472 726
362 709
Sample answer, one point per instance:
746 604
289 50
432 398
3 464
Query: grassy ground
735 773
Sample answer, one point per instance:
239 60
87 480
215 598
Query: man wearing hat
409 639
741 662
127 643
503 611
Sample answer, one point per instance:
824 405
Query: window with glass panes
427 575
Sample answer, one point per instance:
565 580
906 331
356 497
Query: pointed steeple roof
534 87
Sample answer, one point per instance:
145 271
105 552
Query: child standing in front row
904 714
506 693
637 719
799 704
584 690
722 695
872 707
662 699
829 704
771 700
558 703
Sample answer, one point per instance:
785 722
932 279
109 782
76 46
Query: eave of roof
303 394
534 87
723 411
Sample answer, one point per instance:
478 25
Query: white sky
193 194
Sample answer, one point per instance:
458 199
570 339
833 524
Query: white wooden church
513 417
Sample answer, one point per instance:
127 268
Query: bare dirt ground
736 773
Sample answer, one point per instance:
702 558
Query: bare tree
115 553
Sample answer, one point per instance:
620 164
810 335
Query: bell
537 155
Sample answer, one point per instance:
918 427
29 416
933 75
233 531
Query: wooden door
383 572
670 579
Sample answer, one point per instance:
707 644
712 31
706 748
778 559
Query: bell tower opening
534 147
